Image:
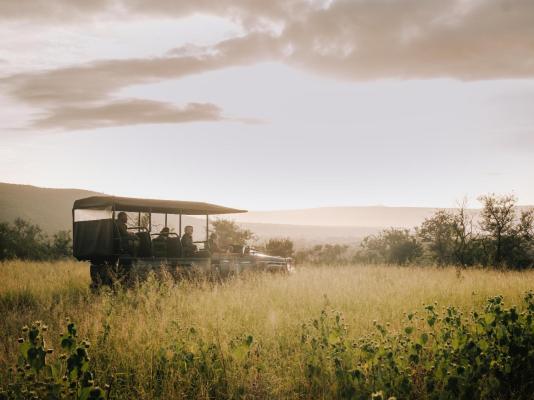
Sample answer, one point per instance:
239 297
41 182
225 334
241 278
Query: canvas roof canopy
151 205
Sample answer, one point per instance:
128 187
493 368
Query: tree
61 246
392 246
465 242
402 247
525 227
29 241
280 247
327 254
230 233
497 220
519 246
7 242
26 241
373 249
438 233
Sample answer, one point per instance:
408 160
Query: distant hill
308 235
372 216
48 208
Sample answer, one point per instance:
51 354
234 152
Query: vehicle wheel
289 268
95 270
100 275
95 276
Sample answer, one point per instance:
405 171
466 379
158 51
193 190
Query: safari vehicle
97 239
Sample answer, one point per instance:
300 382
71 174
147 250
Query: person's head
122 217
213 236
165 231
188 230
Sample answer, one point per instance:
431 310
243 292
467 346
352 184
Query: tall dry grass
134 331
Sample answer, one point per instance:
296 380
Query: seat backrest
145 245
174 247
159 247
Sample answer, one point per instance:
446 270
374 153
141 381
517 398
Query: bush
437 355
36 377
391 246
26 241
279 247
324 254
230 233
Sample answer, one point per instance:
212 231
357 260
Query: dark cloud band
126 112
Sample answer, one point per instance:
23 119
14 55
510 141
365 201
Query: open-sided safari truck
97 238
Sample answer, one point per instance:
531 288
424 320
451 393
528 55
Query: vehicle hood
266 257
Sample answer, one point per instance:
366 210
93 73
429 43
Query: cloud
97 80
360 40
50 10
348 39
126 112
353 40
72 96
68 11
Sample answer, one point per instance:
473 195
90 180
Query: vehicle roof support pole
73 221
139 221
180 226
207 227
165 220
150 221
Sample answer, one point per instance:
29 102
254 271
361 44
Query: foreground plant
37 377
435 353
440 355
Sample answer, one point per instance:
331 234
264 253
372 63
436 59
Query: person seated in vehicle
189 249
163 234
128 240
213 243
159 243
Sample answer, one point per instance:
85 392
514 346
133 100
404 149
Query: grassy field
239 339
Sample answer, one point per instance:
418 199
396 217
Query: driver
188 247
128 239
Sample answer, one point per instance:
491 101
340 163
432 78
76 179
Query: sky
270 104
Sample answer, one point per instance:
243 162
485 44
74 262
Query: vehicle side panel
93 239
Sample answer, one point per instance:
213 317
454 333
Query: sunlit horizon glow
271 105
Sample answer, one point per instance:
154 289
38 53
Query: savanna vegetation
501 235
362 332
398 317
26 241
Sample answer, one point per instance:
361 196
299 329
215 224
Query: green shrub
36 377
440 355
25 241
